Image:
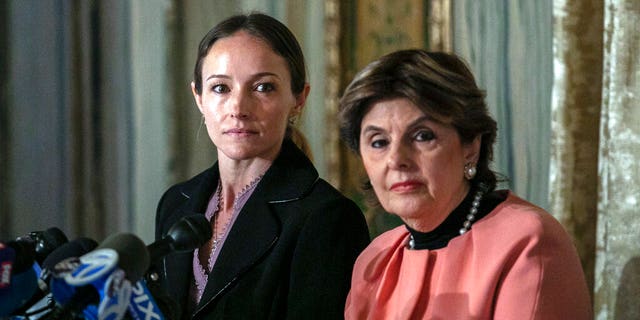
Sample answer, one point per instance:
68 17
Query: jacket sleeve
330 241
545 279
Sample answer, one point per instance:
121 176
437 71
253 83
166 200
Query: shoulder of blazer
184 198
290 177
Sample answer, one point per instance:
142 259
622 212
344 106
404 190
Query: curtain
83 131
596 141
577 95
66 133
4 123
508 46
617 267
97 117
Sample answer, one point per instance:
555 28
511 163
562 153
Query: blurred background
97 117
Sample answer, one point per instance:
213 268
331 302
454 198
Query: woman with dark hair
420 124
284 241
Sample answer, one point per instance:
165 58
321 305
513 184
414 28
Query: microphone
38 302
45 242
187 234
98 284
7 257
18 275
19 279
142 304
71 249
17 256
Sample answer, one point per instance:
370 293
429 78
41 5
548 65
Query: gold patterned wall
359 32
385 26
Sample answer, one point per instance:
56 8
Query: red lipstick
405 186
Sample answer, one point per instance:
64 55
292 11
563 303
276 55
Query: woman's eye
220 88
424 135
379 143
265 87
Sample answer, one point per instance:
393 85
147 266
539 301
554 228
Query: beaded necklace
201 273
470 218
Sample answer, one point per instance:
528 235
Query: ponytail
300 141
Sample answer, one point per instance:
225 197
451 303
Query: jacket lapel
254 232
178 269
258 225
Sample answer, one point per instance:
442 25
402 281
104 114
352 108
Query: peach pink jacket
515 263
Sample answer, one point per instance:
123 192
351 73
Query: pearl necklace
470 217
472 212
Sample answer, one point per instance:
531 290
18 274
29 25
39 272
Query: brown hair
440 84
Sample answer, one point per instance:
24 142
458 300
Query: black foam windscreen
133 257
75 248
47 241
190 232
55 237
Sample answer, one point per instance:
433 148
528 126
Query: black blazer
289 254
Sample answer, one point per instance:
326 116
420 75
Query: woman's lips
405 186
240 132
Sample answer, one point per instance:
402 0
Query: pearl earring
469 171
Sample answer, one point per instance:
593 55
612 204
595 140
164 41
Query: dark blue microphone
39 301
142 305
98 285
23 286
19 279
7 261
7 257
30 251
35 247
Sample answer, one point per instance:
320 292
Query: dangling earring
469 171
200 127
292 120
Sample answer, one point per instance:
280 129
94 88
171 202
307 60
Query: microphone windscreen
190 232
55 237
23 286
75 248
47 241
133 257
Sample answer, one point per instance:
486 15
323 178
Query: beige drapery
596 143
617 276
575 118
